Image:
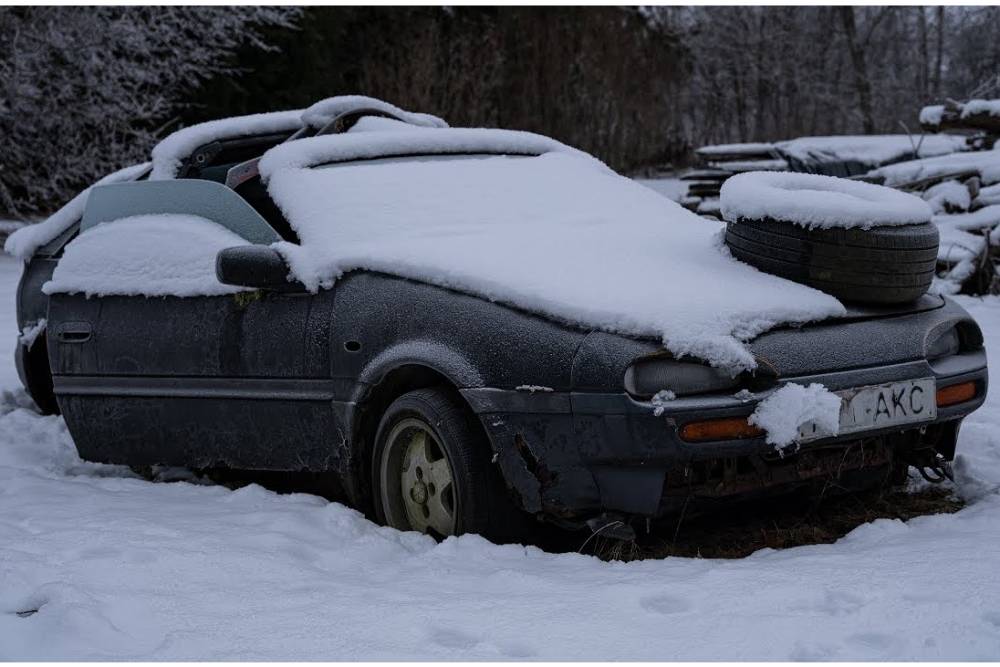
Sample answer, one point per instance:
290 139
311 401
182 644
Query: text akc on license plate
880 406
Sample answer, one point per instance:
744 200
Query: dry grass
775 524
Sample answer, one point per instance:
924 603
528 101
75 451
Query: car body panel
198 381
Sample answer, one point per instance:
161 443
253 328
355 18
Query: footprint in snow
841 602
455 639
515 650
666 604
993 618
873 642
813 652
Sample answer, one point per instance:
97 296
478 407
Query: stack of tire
887 256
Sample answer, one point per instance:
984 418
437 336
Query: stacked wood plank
718 163
973 115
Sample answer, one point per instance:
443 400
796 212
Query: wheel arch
403 369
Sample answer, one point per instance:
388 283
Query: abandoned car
471 329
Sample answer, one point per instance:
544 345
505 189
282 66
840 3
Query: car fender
434 355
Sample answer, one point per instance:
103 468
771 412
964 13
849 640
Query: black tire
38 377
481 503
881 265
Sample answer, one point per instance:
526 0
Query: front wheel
432 470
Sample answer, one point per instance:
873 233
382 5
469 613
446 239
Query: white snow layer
380 124
976 107
152 255
324 111
738 166
169 153
989 195
793 406
557 234
30 333
812 200
25 241
985 163
331 148
931 115
872 150
715 150
957 244
948 195
123 569
672 188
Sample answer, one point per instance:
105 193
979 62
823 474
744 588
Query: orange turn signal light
955 394
730 428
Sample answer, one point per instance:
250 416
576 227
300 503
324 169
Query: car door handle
74 332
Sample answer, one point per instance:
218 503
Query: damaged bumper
572 454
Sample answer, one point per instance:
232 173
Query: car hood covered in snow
535 224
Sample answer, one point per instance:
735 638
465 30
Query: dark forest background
84 91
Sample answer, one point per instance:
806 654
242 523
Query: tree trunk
862 85
938 54
925 63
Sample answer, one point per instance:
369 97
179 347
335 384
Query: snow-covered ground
671 188
118 567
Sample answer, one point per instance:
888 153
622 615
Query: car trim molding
287 389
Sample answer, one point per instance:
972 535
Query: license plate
880 406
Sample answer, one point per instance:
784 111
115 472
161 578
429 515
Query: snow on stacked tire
856 241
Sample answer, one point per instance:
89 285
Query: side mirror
258 266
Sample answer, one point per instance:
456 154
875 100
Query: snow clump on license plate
785 411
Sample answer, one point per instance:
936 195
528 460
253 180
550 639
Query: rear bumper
569 454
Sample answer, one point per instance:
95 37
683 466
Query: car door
241 380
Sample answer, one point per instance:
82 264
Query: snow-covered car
475 328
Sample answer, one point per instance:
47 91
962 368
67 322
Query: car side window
205 199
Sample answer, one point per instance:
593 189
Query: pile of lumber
717 163
965 197
977 116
